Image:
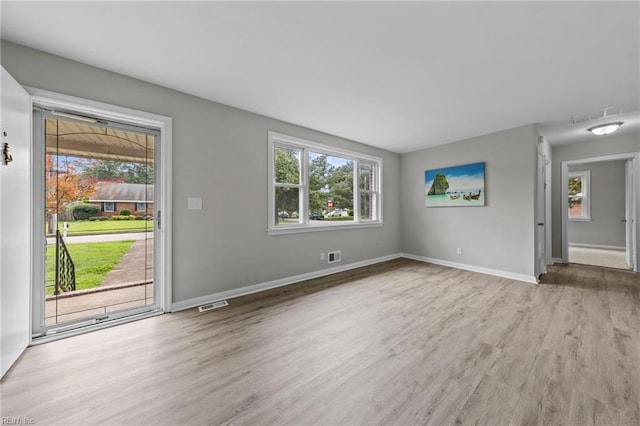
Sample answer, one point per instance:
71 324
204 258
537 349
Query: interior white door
541 262
15 221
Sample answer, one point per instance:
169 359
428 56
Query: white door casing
163 188
15 222
541 257
629 216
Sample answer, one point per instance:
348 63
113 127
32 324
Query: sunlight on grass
93 261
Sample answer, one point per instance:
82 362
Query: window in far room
578 193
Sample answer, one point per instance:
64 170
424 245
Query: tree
64 183
340 184
287 170
318 190
118 171
103 170
139 173
326 181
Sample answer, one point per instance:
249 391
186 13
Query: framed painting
457 186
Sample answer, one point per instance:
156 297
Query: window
315 187
578 192
109 207
141 207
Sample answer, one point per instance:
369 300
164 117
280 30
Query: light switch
194 203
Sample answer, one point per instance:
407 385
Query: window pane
366 177
575 208
287 205
331 186
366 206
576 196
287 165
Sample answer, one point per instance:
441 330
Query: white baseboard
598 246
255 288
496 272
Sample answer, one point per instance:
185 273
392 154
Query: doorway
100 193
599 223
98 220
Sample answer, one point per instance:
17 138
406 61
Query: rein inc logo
17 421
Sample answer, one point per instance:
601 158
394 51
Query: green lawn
108 226
93 261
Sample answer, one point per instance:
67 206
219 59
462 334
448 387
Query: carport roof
88 140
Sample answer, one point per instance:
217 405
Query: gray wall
499 236
220 154
608 145
607 206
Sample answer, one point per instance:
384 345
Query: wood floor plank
491 403
588 411
398 343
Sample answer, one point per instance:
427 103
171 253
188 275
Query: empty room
331 213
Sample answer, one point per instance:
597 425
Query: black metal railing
65 269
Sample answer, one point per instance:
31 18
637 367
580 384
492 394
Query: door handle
624 221
540 224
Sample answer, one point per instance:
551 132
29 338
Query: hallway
607 258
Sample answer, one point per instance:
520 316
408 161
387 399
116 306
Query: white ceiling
400 76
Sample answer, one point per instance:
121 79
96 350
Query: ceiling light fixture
605 129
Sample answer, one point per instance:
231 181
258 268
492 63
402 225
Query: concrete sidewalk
99 238
135 266
90 303
128 285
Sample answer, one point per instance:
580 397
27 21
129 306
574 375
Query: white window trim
278 139
143 209
586 195
104 206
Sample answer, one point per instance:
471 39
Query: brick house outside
112 198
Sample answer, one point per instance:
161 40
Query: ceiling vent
600 114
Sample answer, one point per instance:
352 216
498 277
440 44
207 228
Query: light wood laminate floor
397 343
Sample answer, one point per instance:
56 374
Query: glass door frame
118 117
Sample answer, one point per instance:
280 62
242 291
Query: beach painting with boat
458 186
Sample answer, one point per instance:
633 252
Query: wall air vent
334 256
213 305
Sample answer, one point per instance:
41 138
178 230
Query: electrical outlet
459 251
334 256
322 256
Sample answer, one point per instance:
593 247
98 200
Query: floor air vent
213 305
